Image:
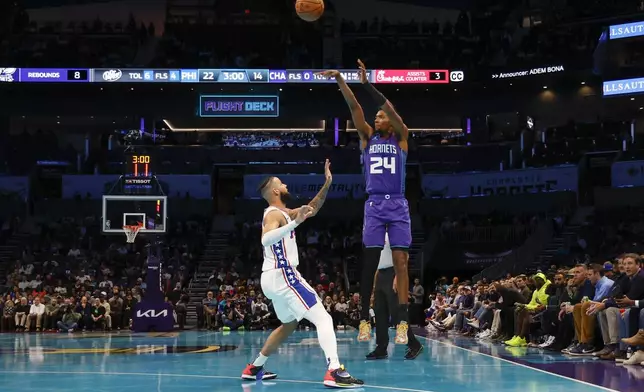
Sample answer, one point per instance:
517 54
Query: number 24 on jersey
377 165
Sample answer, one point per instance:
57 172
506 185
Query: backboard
120 210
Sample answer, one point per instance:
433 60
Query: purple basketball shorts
391 216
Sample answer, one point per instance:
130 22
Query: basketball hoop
131 231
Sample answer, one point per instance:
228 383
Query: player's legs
336 375
399 230
275 288
275 339
382 308
373 238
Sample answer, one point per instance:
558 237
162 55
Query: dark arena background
525 182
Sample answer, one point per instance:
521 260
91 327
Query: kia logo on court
456 76
152 314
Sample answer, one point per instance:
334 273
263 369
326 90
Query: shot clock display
139 165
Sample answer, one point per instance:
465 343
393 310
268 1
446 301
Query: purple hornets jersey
384 166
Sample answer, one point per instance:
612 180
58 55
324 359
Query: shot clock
139 165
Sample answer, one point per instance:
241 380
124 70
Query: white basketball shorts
292 296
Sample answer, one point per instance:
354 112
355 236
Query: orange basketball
309 10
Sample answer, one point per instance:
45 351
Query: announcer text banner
306 186
627 174
509 182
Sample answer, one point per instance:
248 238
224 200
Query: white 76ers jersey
284 253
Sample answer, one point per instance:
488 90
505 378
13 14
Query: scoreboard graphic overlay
207 76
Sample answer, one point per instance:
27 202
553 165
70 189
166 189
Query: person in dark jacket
510 296
85 311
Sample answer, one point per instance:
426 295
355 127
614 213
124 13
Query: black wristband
375 94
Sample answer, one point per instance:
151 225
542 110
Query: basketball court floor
213 361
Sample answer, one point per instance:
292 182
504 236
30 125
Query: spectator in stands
525 312
510 295
260 314
521 282
585 289
22 310
128 308
107 316
611 321
341 313
51 314
210 308
98 316
69 321
116 310
557 295
465 309
584 319
234 317
8 316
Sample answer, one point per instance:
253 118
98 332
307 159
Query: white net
131 232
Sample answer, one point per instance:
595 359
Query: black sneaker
572 346
256 373
575 350
340 378
588 349
413 352
377 354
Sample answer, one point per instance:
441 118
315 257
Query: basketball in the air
309 10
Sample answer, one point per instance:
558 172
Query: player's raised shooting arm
357 114
383 103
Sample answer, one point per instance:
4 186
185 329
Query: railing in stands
516 261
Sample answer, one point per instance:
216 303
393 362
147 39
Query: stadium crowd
68 276
589 310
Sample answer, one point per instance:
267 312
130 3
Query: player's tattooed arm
320 198
383 103
357 114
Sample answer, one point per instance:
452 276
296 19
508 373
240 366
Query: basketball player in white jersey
385 305
293 298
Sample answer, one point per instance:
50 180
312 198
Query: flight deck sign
239 106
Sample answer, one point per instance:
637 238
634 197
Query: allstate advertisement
306 186
627 174
509 182
198 186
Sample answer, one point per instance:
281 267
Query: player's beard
285 197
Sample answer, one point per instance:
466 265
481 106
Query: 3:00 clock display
139 165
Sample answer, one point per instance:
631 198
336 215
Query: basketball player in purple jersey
384 155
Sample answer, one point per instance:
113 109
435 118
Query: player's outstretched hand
331 73
303 213
362 71
327 171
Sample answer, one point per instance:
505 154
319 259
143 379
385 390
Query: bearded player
384 155
293 298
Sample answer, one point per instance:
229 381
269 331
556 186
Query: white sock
261 360
326 335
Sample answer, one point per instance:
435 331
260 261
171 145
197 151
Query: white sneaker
474 323
548 342
636 358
